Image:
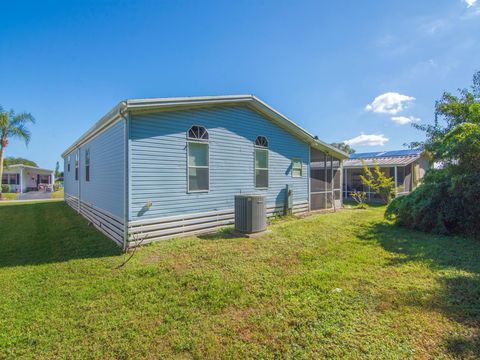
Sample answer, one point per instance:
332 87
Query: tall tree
57 170
10 160
13 126
344 147
448 199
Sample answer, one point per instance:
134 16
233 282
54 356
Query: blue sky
342 70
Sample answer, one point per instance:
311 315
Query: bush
5 188
360 198
443 204
57 186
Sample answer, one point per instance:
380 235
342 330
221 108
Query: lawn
9 196
340 285
59 194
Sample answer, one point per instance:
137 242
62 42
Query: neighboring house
156 168
22 178
407 167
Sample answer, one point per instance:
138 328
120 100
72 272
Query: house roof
383 158
171 104
29 167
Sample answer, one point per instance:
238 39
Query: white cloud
470 3
367 140
403 120
389 103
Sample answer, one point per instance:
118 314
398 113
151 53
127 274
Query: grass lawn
59 194
342 285
9 196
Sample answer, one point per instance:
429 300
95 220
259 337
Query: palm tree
12 126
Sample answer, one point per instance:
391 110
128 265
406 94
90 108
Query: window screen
76 166
198 166
261 168
297 167
87 165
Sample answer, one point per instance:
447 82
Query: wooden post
346 183
395 181
21 181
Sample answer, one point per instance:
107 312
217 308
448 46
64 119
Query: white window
87 165
297 168
11 179
76 165
198 159
261 162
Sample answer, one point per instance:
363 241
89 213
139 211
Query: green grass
341 285
59 194
9 196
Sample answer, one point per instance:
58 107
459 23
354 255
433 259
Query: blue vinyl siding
69 183
105 189
158 170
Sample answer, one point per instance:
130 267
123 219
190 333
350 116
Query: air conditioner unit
250 213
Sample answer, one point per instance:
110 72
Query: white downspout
125 177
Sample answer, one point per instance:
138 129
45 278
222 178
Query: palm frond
22 118
20 132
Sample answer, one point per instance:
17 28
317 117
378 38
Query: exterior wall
69 184
13 187
158 172
101 199
423 166
28 178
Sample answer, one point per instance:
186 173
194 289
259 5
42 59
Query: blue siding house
157 168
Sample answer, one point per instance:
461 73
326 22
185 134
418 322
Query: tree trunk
3 145
2 150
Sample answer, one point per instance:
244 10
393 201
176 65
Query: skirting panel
145 231
108 224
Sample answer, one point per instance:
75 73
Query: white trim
203 142
255 148
301 167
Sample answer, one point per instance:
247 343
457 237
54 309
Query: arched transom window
261 141
197 133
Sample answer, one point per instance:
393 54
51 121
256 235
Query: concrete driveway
35 195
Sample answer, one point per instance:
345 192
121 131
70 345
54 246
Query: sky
354 71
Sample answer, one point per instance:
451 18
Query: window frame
203 142
77 163
301 167
261 148
9 178
68 163
87 165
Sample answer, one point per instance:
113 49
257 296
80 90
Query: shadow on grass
222 234
459 295
40 233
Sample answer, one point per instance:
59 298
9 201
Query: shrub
360 197
5 188
56 186
378 182
442 204
449 200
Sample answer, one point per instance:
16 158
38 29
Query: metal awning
381 161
